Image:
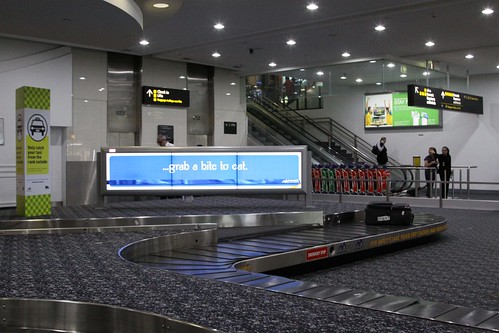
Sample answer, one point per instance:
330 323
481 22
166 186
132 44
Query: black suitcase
382 213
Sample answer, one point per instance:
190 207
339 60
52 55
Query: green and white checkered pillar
32 151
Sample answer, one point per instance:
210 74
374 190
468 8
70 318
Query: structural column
32 151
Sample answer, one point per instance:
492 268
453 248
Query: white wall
41 65
79 107
88 132
471 138
230 105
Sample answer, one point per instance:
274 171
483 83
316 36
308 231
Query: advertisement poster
197 171
33 196
391 110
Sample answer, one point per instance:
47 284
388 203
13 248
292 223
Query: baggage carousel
244 259
243 248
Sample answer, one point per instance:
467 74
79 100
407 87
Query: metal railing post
416 183
340 192
468 182
460 183
441 200
388 187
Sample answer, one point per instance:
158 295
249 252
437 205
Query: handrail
288 117
366 157
440 183
254 122
279 118
353 146
355 140
289 121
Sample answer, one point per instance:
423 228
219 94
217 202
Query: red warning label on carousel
317 253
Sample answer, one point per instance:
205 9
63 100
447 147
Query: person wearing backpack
381 152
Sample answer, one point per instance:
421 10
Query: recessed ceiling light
144 42
403 75
215 54
312 6
380 27
497 66
359 80
345 54
391 65
487 11
426 73
302 69
272 64
181 77
86 101
227 94
291 42
344 76
161 5
320 73
372 61
219 26
378 83
469 56
82 78
429 43
232 83
102 89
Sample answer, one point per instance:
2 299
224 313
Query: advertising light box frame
401 116
204 170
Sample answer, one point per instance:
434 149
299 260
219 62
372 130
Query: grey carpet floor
459 267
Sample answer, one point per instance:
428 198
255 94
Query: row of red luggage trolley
357 179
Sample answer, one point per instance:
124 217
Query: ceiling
256 31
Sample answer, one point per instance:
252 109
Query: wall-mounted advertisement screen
391 110
141 172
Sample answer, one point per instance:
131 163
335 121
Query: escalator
271 123
268 124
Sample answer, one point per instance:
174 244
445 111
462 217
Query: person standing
368 116
430 161
381 152
444 170
289 90
164 141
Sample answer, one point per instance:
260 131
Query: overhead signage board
436 98
165 96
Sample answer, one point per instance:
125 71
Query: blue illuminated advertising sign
166 171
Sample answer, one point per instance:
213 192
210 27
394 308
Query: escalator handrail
367 157
308 140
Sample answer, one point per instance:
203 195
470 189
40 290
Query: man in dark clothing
381 152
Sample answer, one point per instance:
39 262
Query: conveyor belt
244 261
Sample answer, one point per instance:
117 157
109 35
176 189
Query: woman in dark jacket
430 161
444 170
